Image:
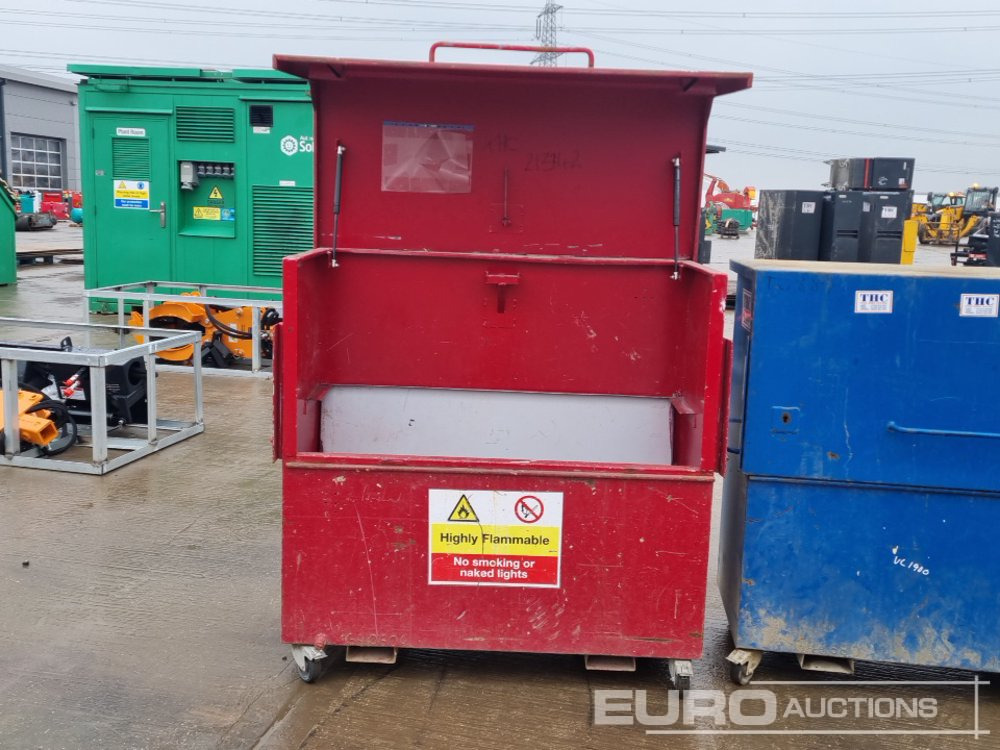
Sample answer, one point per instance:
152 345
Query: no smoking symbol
529 509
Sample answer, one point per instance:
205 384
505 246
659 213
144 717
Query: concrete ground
141 610
63 241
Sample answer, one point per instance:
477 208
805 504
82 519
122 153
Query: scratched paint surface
874 573
844 389
632 566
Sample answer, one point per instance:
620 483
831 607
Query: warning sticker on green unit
208 213
131 194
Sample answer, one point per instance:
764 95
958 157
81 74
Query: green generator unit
196 176
8 243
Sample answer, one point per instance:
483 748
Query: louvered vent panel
213 124
282 225
130 158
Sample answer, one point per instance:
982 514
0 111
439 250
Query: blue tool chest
862 500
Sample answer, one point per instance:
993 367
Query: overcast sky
857 79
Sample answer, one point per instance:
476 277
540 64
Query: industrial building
39 123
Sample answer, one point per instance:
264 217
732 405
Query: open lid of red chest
522 160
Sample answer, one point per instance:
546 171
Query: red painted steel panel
542 261
563 328
634 567
582 156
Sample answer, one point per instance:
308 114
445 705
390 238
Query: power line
739 63
861 31
906 74
836 131
158 29
850 121
363 21
546 17
497 28
619 12
964 103
111 59
776 15
647 13
787 157
394 23
822 155
816 45
777 78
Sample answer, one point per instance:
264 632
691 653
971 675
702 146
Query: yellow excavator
937 201
948 217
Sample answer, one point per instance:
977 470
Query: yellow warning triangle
463 511
216 194
121 185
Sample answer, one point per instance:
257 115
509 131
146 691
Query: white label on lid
808 207
888 212
873 301
979 306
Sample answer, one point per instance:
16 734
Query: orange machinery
226 332
35 424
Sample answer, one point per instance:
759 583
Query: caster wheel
681 672
312 670
310 662
740 674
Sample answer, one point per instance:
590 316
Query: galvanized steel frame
97 361
145 292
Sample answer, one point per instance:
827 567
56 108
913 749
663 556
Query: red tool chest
499 395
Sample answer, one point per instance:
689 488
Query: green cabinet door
8 245
132 239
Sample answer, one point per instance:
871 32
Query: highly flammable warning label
488 538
